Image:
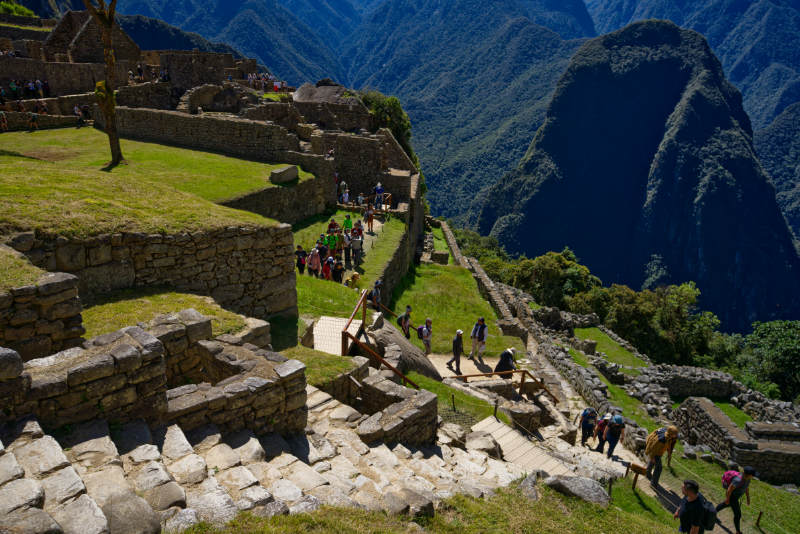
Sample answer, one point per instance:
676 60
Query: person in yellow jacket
659 441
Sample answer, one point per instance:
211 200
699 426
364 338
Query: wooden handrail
387 309
355 310
380 359
523 373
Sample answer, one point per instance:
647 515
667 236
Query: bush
10 7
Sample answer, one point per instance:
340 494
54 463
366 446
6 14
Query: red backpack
728 476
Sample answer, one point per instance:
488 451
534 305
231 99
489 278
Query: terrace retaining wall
63 78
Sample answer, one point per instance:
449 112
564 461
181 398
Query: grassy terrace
450 297
615 352
162 189
474 409
127 307
17 271
34 28
440 243
508 512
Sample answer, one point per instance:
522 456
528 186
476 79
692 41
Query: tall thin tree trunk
110 110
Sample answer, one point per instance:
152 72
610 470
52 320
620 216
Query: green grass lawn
276 97
450 297
17 271
507 512
35 28
474 408
737 416
440 243
161 189
615 352
317 297
579 357
535 306
321 367
126 307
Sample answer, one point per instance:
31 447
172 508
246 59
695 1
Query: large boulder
584 488
383 333
484 442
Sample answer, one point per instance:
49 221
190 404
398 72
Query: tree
773 355
104 17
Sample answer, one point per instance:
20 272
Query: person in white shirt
478 337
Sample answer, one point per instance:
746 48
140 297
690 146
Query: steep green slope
154 34
568 18
646 155
757 41
778 146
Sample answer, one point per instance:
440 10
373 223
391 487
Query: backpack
709 514
419 331
727 478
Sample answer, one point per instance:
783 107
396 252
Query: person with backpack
425 333
357 244
458 349
375 296
599 432
301 259
337 273
478 337
658 442
314 263
506 362
588 420
404 322
736 484
614 433
692 510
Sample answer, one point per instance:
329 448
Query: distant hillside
568 18
154 34
778 146
758 42
645 160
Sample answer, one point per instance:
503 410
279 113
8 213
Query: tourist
342 188
140 71
375 296
330 241
333 225
658 442
33 121
3 122
77 112
346 197
599 432
404 322
2 96
614 432
301 258
690 511
588 421
361 199
379 196
347 224
357 244
346 243
478 337
458 348
427 335
37 85
369 215
330 154
327 266
323 248
507 363
358 229
314 263
338 271
738 484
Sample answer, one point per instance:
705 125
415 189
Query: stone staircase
97 478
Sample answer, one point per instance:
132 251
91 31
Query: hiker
333 225
404 322
360 199
478 337
327 266
599 432
342 189
690 511
375 296
506 362
346 196
347 241
379 196
338 271
369 215
314 263
736 484
33 121
425 333
588 420
658 442
357 244
77 112
347 224
614 432
458 348
301 259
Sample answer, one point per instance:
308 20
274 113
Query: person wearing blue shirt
588 420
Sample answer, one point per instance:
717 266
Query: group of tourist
340 248
263 81
138 76
379 198
25 89
9 53
478 336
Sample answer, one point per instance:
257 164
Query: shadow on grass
284 332
14 154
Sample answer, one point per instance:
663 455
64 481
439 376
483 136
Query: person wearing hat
375 295
379 196
404 322
659 441
478 337
599 432
458 348
427 335
738 486
614 433
506 362
588 421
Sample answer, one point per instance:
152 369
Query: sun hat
607 417
672 431
459 332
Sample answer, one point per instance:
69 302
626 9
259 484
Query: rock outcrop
648 148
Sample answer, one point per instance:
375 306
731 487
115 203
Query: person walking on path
614 433
375 296
314 263
659 441
738 484
369 215
338 271
357 244
506 362
347 241
426 334
478 337
347 224
379 196
458 349
690 511
301 259
599 432
404 322
588 420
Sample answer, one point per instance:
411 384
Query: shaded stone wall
249 270
61 105
10 32
42 318
156 95
19 121
347 117
189 69
344 387
64 78
281 113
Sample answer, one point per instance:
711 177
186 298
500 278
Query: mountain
568 18
474 77
646 156
154 34
778 146
758 42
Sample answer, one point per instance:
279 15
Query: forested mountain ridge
645 162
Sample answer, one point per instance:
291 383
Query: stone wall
346 387
155 95
702 422
235 137
18 121
329 116
26 21
455 250
64 78
61 105
248 270
281 113
189 69
42 318
399 414
10 32
289 203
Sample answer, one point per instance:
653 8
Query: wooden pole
758 521
495 408
453 398
635 480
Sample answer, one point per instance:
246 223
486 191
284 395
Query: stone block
284 175
70 257
10 364
98 366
